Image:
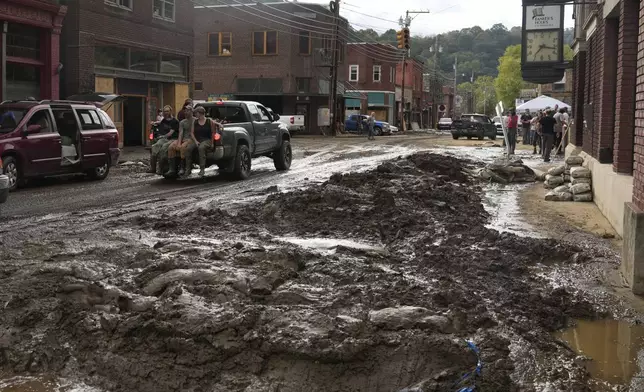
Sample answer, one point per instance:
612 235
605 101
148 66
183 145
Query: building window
164 9
220 44
125 4
173 65
23 81
377 73
264 43
23 41
392 74
144 61
305 42
140 60
558 87
111 56
198 86
353 73
303 85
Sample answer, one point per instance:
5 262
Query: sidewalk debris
570 182
505 171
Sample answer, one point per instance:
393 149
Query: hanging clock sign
542 43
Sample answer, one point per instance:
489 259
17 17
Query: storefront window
110 56
175 65
23 81
23 41
144 61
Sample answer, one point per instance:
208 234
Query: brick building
413 89
608 109
29 48
561 90
139 49
275 53
372 74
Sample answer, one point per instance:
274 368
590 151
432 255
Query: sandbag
576 181
541 176
583 197
562 189
553 180
567 178
558 196
556 171
579 172
580 188
574 161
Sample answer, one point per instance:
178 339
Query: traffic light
406 38
400 37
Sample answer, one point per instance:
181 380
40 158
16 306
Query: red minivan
48 138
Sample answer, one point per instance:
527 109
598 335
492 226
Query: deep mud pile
218 300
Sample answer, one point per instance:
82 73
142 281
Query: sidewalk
130 154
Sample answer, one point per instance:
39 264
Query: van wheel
242 163
282 158
99 173
455 137
11 170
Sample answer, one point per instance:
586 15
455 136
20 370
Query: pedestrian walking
535 132
525 127
548 124
513 121
371 123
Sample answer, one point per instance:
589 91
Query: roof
473 114
229 103
30 104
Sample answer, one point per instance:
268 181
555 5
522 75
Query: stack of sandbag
506 171
581 184
554 177
572 161
560 193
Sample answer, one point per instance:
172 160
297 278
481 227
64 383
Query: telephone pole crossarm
404 23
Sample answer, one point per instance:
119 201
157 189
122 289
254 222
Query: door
94 140
133 123
42 147
272 128
260 125
352 123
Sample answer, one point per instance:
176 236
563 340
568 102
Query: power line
370 16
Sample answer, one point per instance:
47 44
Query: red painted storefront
30 48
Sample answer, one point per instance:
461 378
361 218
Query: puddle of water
329 244
614 346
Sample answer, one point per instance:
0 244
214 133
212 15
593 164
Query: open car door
101 100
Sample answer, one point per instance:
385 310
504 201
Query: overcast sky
445 15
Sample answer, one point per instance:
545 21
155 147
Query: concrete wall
610 189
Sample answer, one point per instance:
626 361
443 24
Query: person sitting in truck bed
170 128
203 132
182 145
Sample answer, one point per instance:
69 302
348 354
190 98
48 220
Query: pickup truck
379 128
250 131
473 125
294 122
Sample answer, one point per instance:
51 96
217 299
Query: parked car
250 131
48 138
4 186
444 123
497 123
473 125
379 128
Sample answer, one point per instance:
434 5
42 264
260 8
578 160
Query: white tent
541 103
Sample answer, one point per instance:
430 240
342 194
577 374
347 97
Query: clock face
542 46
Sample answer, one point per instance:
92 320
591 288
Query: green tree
508 83
484 94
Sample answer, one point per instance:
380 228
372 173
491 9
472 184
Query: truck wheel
493 137
481 137
377 131
455 137
282 158
242 163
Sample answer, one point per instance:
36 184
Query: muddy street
375 267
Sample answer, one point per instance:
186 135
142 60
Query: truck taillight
292 120
217 138
151 135
1 164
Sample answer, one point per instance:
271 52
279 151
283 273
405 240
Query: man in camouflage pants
169 128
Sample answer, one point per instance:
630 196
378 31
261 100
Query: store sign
543 17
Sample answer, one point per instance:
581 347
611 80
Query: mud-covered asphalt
365 268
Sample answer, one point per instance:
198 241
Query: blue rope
475 372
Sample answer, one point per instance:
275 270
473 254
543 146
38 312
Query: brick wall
219 73
626 78
638 164
591 91
607 81
579 72
356 55
91 21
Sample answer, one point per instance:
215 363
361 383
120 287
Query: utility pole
434 80
405 25
333 105
454 99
